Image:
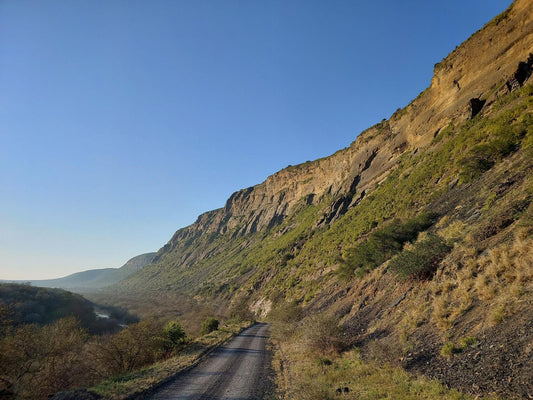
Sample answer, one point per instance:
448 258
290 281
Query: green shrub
468 341
505 139
478 160
383 244
209 325
500 18
448 349
422 261
174 333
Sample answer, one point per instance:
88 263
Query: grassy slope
455 327
94 279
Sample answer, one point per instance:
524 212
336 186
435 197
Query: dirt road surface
235 371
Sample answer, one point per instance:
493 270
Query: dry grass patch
502 277
347 376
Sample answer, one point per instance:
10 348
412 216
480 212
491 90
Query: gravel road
236 371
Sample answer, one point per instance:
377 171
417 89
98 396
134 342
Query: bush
240 311
39 361
286 312
468 341
383 244
209 325
481 158
323 335
174 333
422 261
476 162
284 318
135 346
448 349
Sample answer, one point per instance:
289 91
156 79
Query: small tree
209 325
239 311
174 333
172 337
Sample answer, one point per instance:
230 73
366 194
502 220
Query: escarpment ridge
474 75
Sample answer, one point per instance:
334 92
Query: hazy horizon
122 122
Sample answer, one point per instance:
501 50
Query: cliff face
486 66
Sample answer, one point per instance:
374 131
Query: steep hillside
480 71
414 238
94 279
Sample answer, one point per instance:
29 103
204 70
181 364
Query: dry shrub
239 311
454 231
133 347
441 312
323 335
285 317
37 362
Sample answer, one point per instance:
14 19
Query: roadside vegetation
436 266
37 361
315 361
145 379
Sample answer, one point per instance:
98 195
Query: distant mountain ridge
95 279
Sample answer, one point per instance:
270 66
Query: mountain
471 81
416 237
94 279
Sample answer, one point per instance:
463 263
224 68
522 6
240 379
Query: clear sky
121 121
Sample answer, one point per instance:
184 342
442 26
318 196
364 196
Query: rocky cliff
490 63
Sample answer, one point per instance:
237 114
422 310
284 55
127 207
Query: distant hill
93 279
25 304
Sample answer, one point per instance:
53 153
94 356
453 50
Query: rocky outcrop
462 83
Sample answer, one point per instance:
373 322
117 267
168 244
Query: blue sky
121 121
